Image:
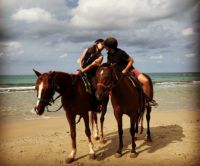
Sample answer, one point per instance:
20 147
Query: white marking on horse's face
101 72
39 93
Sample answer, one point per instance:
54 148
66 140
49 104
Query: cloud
63 56
188 31
191 55
12 48
92 14
1 54
12 45
78 60
48 29
156 57
33 15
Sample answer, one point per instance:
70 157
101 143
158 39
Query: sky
160 35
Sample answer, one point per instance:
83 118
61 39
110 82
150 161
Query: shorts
136 72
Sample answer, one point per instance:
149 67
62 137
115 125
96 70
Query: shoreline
175 137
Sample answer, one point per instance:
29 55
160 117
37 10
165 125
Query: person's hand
124 71
78 72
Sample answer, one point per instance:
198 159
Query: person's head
99 44
110 43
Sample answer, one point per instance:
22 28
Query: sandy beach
175 137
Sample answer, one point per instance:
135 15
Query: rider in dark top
124 63
90 59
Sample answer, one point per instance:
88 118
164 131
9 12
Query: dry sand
47 142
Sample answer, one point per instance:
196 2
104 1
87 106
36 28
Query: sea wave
177 83
18 88
158 84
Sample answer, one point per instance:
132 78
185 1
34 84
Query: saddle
138 86
86 82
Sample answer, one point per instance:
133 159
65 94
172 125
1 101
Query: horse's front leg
88 134
120 133
132 131
95 130
104 110
72 124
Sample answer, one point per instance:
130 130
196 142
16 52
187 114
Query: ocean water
173 92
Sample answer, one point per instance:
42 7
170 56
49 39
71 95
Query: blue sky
161 35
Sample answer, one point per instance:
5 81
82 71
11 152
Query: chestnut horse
125 99
74 98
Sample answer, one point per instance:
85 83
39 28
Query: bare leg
145 84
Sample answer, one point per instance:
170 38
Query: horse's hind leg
120 133
72 124
148 117
132 131
88 134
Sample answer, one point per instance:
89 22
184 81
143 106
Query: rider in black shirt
124 63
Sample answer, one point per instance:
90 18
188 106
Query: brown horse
125 98
75 101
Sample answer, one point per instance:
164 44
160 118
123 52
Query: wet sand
47 142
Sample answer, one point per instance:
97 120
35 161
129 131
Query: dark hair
111 42
92 49
99 41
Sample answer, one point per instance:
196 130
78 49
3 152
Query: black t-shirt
119 57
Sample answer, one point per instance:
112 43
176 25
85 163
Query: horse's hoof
102 141
92 156
69 160
149 139
96 138
118 155
133 155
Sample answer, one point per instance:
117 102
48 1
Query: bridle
111 85
49 101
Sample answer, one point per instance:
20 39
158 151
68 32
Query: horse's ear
37 73
52 73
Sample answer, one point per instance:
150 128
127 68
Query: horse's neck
64 81
121 83
117 75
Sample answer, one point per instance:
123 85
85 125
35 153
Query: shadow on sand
161 136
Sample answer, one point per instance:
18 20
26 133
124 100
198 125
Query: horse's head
45 86
104 77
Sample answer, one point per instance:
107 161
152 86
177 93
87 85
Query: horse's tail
150 84
79 119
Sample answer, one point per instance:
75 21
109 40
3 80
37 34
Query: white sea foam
21 88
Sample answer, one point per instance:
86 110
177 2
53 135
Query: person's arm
130 63
97 62
82 57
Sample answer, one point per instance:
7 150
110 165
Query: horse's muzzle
39 110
